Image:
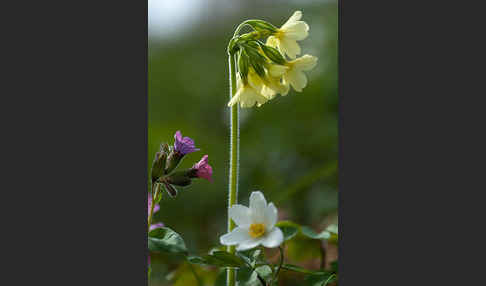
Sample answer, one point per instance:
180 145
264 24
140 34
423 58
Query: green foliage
166 240
289 229
320 280
219 259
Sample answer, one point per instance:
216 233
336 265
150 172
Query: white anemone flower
294 74
285 39
249 93
256 225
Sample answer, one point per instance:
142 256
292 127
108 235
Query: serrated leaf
165 239
289 229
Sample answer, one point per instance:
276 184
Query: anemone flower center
256 230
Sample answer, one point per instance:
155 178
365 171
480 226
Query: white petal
237 236
297 31
270 216
297 79
290 47
274 238
248 244
258 205
295 17
305 63
241 215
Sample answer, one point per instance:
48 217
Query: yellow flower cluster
258 83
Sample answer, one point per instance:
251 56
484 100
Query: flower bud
261 26
243 64
273 54
173 161
158 166
170 189
180 178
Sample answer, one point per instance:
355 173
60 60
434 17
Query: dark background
289 146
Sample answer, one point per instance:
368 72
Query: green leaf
265 271
217 258
253 256
320 280
228 258
302 270
246 276
165 239
307 231
289 229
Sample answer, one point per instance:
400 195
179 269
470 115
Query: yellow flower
285 39
294 72
273 84
249 93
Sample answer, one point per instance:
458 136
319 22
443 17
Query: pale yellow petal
295 17
249 97
304 63
235 98
272 41
297 79
297 31
290 47
277 70
255 81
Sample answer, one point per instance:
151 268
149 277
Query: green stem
275 276
233 169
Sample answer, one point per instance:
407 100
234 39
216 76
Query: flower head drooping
294 73
273 83
285 39
256 225
203 169
248 93
184 145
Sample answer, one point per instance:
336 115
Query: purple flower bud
156 207
203 169
156 225
184 145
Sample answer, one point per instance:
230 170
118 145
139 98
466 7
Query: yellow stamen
256 230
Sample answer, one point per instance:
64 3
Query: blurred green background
289 146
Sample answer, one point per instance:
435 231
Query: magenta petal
204 170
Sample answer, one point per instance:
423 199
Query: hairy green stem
234 158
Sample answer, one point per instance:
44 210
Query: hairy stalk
234 157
